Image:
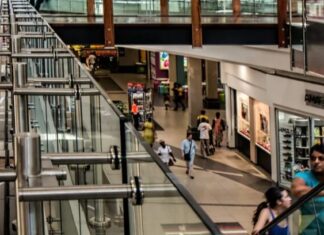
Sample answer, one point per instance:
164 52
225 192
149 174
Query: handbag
187 156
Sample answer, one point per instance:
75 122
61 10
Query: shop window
262 125
243 115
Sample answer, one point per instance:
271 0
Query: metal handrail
295 206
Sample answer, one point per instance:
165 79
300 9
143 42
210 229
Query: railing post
100 222
20 102
122 122
28 160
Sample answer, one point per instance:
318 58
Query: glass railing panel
68 6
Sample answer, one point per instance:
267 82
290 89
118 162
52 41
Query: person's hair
203 112
149 119
203 120
217 114
318 148
188 134
272 195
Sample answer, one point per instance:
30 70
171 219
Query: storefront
296 134
273 120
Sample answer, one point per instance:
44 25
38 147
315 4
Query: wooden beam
109 26
236 7
282 22
90 7
164 7
196 23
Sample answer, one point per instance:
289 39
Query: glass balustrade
84 134
152 7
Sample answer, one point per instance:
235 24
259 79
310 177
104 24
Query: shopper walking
165 153
277 201
201 116
188 152
178 96
204 128
149 131
135 114
218 126
313 211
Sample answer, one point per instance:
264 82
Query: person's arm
182 149
263 218
171 154
299 188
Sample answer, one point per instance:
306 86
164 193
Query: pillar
181 76
195 90
230 116
164 7
109 27
211 69
196 23
90 7
236 7
282 20
172 72
253 156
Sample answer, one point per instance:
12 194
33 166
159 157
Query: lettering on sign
315 99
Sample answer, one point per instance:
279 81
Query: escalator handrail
295 206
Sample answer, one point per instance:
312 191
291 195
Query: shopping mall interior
91 88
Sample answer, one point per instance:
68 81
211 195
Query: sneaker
286 142
286 147
191 177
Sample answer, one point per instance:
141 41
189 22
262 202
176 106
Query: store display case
296 135
315 10
262 126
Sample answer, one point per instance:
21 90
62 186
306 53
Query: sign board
314 98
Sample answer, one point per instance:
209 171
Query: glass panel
293 133
67 6
257 7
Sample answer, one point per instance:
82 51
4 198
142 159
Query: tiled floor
226 185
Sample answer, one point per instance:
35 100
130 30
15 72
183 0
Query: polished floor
226 185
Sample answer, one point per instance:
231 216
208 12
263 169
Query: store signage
315 99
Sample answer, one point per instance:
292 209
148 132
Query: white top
164 153
204 129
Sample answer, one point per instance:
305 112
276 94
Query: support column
173 68
196 23
253 156
164 7
230 116
211 79
195 89
282 21
91 7
236 7
29 168
109 27
181 76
